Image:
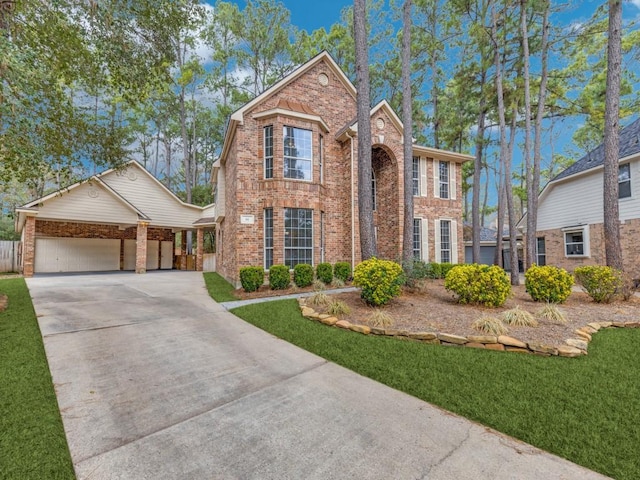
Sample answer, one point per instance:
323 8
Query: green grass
219 289
32 440
586 409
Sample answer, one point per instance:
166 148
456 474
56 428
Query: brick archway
386 215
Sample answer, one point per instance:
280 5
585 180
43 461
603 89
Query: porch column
29 246
183 250
141 247
199 249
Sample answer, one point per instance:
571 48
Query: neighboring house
121 219
570 230
488 241
285 186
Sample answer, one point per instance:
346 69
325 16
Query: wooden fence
9 256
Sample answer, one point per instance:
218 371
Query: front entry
386 215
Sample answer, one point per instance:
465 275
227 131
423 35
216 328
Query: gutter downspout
353 219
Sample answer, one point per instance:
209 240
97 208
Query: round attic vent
131 175
380 123
323 79
93 192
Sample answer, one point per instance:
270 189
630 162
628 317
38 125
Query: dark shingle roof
629 145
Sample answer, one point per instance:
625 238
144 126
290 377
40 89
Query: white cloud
636 3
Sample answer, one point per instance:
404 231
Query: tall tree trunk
532 205
612 247
477 172
504 156
407 120
365 201
528 175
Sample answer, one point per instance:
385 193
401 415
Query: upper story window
297 153
321 160
443 179
268 151
415 176
624 181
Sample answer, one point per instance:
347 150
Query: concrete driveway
157 381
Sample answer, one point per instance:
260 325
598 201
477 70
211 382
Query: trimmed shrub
342 270
435 270
600 282
479 284
279 277
414 271
548 283
303 275
251 278
379 280
324 272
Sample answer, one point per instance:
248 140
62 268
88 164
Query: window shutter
436 241
436 179
452 180
424 231
423 177
454 241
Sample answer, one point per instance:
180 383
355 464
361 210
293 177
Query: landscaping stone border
573 347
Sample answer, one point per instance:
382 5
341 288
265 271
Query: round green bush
251 278
324 272
479 284
342 270
303 275
600 282
279 277
379 280
548 283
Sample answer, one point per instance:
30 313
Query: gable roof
629 145
237 117
104 181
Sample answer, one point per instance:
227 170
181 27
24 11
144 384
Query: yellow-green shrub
479 284
601 283
379 280
548 283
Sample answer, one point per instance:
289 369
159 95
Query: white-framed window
576 241
624 181
541 252
415 176
268 238
443 179
297 153
268 151
446 240
321 160
298 236
417 238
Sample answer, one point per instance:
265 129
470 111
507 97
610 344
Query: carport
122 219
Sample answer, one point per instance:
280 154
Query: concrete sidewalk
156 381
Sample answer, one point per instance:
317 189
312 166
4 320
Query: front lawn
219 289
584 409
32 440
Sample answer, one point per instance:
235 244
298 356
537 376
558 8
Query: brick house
121 219
285 185
570 230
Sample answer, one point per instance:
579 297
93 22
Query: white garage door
76 255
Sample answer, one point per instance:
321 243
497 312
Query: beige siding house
570 229
121 219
